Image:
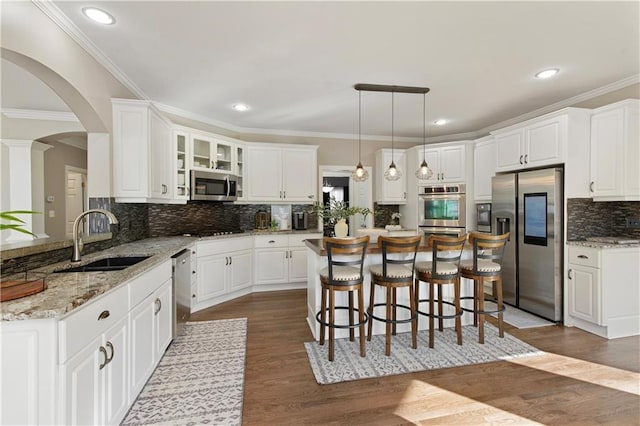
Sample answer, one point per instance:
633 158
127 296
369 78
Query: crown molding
603 90
32 114
60 19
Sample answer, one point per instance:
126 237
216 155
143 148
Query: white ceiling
295 63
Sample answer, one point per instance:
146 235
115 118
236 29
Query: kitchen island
317 259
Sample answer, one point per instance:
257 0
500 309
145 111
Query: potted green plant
336 213
11 217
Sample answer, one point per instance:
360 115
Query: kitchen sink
107 264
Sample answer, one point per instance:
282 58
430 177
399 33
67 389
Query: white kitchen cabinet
484 168
282 173
181 157
95 382
142 153
223 267
211 153
162 319
615 152
447 163
388 191
240 170
604 291
281 259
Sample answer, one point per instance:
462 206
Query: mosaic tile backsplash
586 218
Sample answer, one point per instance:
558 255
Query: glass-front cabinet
181 140
212 154
239 169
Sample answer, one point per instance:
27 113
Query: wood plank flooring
582 380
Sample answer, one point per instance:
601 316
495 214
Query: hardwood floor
582 380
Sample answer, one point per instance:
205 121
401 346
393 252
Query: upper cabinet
448 163
208 153
282 173
181 157
546 141
391 191
142 153
484 167
615 152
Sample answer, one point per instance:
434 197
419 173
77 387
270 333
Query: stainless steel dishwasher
181 289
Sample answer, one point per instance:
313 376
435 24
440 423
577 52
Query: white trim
32 114
60 19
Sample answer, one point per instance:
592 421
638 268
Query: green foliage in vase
336 210
10 216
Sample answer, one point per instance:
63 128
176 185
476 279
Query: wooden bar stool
343 275
486 265
442 270
393 274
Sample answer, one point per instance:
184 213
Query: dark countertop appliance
300 220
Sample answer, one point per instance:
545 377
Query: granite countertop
67 291
318 247
600 245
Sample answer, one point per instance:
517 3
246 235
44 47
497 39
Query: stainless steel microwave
211 186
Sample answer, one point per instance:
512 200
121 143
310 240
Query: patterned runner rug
199 380
349 365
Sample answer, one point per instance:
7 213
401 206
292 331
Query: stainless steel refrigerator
529 205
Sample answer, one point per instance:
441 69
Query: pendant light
392 172
326 187
424 172
360 174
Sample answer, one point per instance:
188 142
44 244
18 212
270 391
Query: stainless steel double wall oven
442 209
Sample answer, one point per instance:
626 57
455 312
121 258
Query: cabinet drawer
226 245
269 241
84 325
585 256
297 240
142 286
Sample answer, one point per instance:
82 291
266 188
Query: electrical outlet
632 222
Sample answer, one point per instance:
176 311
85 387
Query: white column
37 187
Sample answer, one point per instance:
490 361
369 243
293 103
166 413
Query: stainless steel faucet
77 234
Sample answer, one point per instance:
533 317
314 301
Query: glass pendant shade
424 172
392 172
326 188
360 174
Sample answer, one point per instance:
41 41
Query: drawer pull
110 346
582 256
103 315
272 241
104 352
158 304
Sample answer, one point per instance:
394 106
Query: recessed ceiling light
440 122
241 107
98 15
547 73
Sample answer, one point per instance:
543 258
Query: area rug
199 380
349 365
518 318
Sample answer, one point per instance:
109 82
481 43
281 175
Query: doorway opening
76 200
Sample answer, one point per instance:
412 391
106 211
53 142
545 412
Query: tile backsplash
587 218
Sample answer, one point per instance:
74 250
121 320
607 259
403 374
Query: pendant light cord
359 126
424 131
392 93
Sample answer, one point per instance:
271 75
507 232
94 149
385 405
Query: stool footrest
481 312
445 302
346 326
391 321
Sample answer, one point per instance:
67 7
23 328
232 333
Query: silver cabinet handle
280 194
103 315
285 194
184 261
526 159
405 195
226 261
158 304
290 254
582 256
569 274
271 241
164 188
521 160
106 358
591 187
286 254
110 346
230 260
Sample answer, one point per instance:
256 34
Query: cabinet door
223 158
433 161
271 266
82 386
241 270
606 153
584 294
300 171
211 276
163 319
392 191
116 384
130 150
202 152
509 150
452 163
181 166
161 164
142 343
297 265
484 168
544 142
239 170
265 177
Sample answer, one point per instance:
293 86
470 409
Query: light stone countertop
67 291
598 245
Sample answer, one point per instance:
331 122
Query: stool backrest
399 245
445 249
353 250
487 247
